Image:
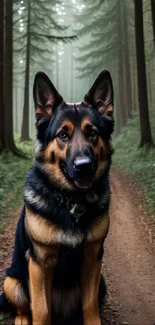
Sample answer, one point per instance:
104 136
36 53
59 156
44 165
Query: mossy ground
135 161
12 175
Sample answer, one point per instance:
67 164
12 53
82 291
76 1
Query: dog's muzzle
82 166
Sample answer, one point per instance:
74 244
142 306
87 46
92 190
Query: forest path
129 260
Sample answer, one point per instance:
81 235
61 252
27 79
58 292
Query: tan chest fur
47 237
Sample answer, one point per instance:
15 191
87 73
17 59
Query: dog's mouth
83 183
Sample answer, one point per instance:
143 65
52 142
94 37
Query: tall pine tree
41 29
146 137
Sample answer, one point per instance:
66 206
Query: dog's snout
82 164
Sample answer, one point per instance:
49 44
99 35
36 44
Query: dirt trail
7 243
129 260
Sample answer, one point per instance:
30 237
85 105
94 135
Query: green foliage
99 21
12 175
138 162
2 317
43 29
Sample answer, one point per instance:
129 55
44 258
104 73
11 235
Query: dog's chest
47 238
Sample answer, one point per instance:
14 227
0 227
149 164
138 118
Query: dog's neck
44 198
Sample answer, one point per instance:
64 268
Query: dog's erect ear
46 97
101 94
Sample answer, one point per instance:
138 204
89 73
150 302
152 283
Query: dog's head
73 140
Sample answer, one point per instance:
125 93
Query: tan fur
90 282
61 148
46 233
47 238
15 293
101 144
57 177
69 125
99 228
22 320
84 123
54 172
47 256
91 269
52 146
102 165
40 230
41 288
10 285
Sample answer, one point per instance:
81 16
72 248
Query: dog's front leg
90 282
40 293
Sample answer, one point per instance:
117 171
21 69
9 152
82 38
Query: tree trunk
149 82
25 122
57 66
146 137
127 62
121 85
7 140
1 74
153 18
9 144
134 85
134 77
118 117
72 72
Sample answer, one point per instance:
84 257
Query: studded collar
79 205
64 207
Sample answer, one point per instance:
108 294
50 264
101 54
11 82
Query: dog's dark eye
38 117
92 133
63 136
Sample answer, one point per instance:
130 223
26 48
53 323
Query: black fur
56 202
100 254
58 212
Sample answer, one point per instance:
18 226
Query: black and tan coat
66 217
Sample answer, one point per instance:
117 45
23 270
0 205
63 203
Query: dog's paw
94 321
22 320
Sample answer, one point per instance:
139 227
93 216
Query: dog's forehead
77 107
76 112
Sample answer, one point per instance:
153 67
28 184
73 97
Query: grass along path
12 176
137 162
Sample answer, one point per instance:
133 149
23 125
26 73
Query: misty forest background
72 41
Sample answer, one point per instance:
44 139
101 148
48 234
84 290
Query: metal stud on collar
92 197
77 211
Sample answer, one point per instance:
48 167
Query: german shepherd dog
55 275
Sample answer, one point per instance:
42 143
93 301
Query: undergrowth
135 161
12 175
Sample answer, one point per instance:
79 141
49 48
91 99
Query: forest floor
129 260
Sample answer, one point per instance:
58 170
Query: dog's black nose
82 165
